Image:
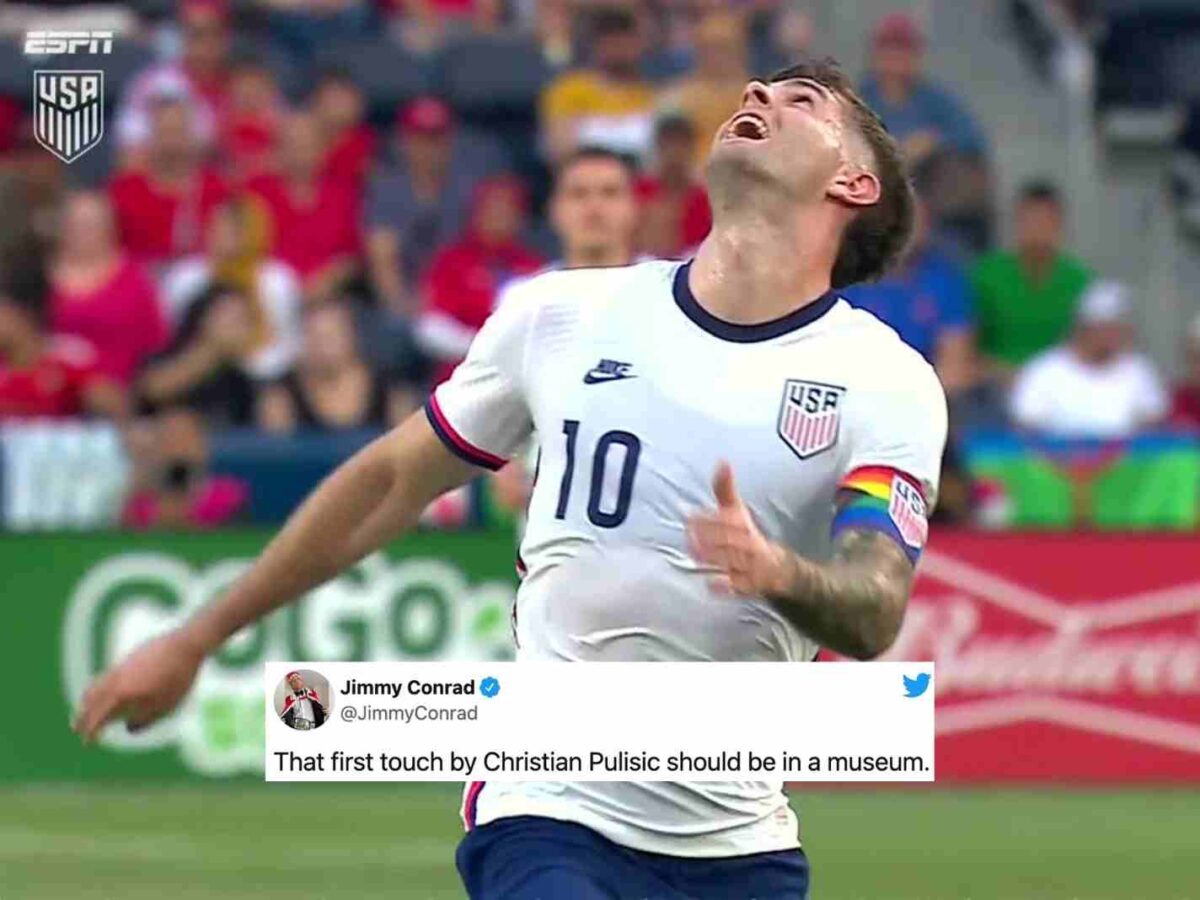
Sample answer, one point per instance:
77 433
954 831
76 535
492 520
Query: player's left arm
853 603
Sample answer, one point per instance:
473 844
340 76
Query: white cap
1104 302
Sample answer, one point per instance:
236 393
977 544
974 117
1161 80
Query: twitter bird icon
915 687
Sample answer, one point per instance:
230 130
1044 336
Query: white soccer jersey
634 393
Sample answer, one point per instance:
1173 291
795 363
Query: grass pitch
253 841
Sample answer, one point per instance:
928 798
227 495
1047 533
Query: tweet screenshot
600 449
517 721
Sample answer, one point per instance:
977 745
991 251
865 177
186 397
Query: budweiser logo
950 634
1007 653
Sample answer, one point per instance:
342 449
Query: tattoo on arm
855 603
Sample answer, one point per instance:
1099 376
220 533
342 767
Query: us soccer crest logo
810 416
908 511
68 111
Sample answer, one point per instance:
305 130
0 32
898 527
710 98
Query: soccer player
738 384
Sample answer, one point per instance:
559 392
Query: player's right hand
142 688
728 539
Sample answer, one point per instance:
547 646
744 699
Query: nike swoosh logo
597 377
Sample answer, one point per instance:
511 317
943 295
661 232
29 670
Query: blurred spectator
198 78
312 219
1185 409
206 367
713 91
163 206
675 213
421 26
12 116
593 209
466 276
301 26
99 293
422 202
332 388
1095 384
32 186
939 136
339 107
173 487
924 117
1025 299
608 103
236 257
780 33
45 376
927 299
253 120
552 25
668 38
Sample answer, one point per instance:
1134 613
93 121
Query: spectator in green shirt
1025 299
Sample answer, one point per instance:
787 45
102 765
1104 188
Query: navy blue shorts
535 858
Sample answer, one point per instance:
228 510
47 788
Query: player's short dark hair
23 282
590 153
878 235
1040 190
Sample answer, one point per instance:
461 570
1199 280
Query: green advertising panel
1148 483
76 602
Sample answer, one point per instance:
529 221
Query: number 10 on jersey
597 515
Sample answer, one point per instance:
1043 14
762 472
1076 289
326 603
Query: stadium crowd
286 238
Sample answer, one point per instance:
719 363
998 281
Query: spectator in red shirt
675 212
200 77
99 293
1185 406
252 122
313 220
340 109
163 206
465 277
42 376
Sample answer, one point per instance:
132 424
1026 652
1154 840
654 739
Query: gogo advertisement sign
1061 656
88 599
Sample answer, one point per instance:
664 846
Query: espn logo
53 43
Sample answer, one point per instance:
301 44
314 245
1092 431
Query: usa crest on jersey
810 416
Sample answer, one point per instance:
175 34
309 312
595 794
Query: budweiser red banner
1061 656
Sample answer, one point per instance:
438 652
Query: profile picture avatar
302 699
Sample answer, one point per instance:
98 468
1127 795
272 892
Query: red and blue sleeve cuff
455 442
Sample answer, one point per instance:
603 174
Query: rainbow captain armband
884 499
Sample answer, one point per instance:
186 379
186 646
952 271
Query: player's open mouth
748 127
